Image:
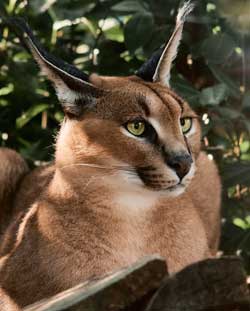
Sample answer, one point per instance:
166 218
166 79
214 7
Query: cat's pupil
182 122
137 125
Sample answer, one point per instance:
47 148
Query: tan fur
10 177
90 213
6 303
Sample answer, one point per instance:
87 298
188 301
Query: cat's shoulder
33 185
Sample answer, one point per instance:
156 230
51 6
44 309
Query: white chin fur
134 183
179 189
175 191
187 179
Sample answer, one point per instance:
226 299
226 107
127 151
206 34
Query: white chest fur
135 203
130 197
133 212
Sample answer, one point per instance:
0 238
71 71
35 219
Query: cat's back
19 187
29 190
13 168
32 186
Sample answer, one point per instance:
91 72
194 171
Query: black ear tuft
158 67
147 70
25 33
71 84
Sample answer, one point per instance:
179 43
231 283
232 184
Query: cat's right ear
158 67
74 90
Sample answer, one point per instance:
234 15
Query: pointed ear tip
21 28
18 22
185 10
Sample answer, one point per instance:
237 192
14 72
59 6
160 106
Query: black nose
181 163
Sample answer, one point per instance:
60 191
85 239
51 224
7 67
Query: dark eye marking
151 134
187 144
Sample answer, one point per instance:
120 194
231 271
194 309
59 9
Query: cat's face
143 127
144 130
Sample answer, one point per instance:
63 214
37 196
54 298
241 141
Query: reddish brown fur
10 177
82 222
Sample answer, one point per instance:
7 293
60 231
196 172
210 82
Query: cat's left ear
74 90
158 67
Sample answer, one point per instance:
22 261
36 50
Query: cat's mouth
156 181
179 187
173 190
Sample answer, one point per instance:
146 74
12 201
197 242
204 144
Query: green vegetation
114 37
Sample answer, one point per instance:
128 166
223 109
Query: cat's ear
158 67
74 90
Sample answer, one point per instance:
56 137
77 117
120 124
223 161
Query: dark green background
122 34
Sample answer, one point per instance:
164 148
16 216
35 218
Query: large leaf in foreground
138 30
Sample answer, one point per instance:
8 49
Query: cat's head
135 124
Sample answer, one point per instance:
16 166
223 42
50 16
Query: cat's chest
134 204
132 215
147 224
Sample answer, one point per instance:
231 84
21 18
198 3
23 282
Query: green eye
136 128
186 124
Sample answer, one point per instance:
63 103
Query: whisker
113 167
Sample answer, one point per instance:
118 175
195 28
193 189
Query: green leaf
37 5
128 6
34 150
244 146
21 57
185 89
138 31
233 87
232 235
114 33
213 95
4 103
236 173
247 219
246 102
246 125
59 116
240 223
158 37
30 114
7 89
229 113
216 49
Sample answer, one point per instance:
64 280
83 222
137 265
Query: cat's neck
114 188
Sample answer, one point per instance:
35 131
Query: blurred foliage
114 37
